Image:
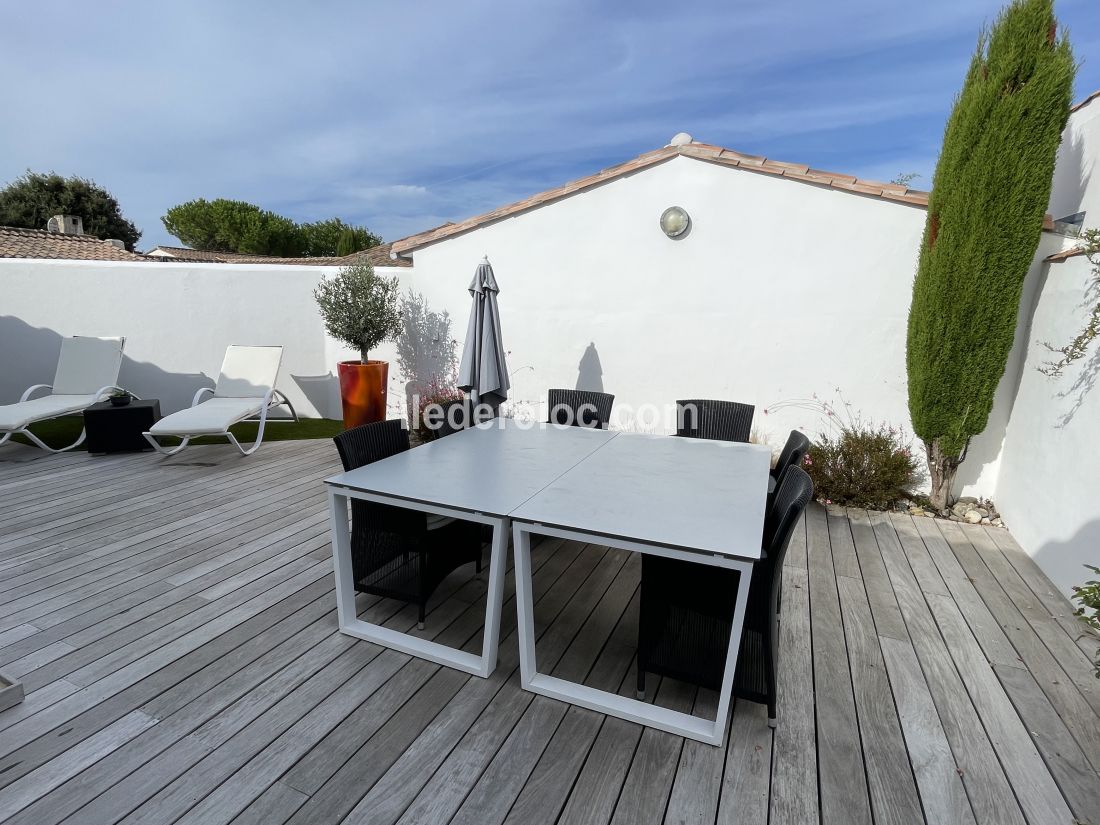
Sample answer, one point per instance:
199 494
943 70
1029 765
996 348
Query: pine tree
985 215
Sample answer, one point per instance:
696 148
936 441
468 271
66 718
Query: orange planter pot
363 391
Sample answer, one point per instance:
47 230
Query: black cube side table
112 429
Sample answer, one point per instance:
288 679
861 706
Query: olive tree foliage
985 215
359 308
31 200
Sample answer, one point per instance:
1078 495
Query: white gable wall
780 290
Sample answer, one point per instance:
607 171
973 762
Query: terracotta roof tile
377 255
700 151
40 243
1086 101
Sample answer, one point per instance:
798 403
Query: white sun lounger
245 389
87 370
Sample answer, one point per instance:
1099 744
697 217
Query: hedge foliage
985 214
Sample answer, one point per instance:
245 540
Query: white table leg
352 625
681 724
341 558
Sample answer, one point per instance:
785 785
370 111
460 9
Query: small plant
864 465
437 391
857 462
1088 597
359 308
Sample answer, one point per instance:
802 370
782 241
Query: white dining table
481 474
691 499
696 500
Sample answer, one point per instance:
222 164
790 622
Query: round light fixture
675 221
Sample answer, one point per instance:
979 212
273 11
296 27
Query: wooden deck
173 623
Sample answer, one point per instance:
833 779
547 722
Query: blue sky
402 116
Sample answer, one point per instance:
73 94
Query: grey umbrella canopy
482 371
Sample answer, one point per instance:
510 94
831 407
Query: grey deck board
174 622
842 778
990 792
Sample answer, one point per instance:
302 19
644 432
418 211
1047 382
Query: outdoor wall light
675 222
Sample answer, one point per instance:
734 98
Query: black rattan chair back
794 451
456 417
580 408
364 445
368 443
709 418
785 507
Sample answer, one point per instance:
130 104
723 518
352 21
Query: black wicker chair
580 408
686 610
794 451
458 415
720 420
393 552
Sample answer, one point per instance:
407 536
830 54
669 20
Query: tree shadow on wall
30 355
1089 369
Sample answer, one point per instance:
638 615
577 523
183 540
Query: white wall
1048 487
1074 189
177 319
781 290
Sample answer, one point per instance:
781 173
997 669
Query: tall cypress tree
985 215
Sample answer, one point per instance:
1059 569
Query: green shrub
862 465
1088 597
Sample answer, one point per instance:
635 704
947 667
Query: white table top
492 468
681 492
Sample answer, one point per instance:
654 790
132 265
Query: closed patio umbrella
482 372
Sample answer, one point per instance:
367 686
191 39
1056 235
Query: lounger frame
38 442
272 398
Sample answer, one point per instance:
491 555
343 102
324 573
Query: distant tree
34 198
334 237
224 225
985 215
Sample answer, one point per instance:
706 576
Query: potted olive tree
359 308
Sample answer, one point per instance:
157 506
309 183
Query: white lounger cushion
212 416
17 416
